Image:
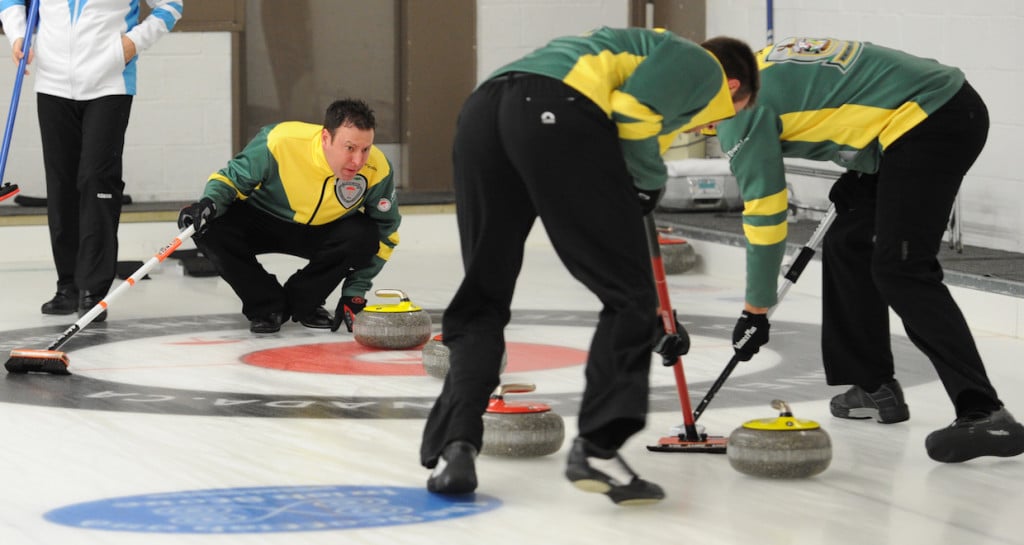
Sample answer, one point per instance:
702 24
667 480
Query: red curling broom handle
669 322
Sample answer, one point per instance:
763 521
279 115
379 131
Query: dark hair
350 112
739 63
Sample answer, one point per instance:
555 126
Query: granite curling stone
779 448
677 254
435 358
520 430
396 326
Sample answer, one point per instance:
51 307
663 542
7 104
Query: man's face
347 150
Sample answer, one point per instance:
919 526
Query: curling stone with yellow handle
436 358
520 430
779 448
396 326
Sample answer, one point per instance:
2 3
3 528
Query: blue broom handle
33 17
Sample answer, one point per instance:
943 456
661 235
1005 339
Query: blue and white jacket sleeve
160 21
12 16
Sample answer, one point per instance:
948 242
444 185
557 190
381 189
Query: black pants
83 143
883 253
233 241
528 147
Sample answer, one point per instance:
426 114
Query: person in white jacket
84 56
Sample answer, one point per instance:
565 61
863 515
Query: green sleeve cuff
763 266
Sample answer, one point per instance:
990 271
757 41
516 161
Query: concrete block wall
180 126
180 130
977 37
509 29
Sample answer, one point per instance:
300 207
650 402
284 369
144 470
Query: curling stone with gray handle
779 448
436 358
396 326
520 430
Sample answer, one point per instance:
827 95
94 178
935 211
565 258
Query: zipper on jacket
323 190
75 8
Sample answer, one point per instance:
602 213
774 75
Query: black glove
198 214
853 190
348 307
671 346
649 199
750 334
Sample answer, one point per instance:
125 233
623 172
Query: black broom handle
796 268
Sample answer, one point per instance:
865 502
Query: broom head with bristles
676 443
54 362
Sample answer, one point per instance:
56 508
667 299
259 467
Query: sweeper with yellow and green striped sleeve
908 129
571 134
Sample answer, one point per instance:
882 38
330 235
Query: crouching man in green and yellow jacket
322 193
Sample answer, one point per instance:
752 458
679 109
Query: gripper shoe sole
885 406
637 492
969 437
587 478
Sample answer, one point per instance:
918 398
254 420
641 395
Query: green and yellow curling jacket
283 172
651 83
827 100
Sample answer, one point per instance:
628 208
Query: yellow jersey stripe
597 76
647 122
224 180
720 107
851 124
766 235
767 206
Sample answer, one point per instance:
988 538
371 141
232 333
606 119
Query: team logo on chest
349 192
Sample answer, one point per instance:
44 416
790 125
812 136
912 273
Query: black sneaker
885 405
614 479
455 472
65 301
977 434
318 319
88 300
271 323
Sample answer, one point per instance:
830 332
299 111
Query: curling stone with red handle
677 253
520 430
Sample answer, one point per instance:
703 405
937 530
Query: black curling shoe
611 476
271 323
455 472
977 434
65 301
